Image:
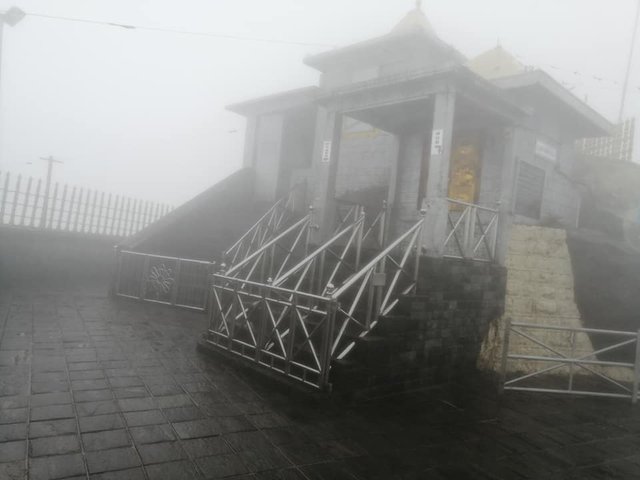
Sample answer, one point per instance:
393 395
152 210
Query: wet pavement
91 388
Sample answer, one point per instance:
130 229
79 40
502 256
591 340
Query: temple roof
414 22
496 63
413 32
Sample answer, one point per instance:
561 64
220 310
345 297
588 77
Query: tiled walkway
93 388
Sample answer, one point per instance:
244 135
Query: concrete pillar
507 191
249 156
326 153
268 156
406 184
437 207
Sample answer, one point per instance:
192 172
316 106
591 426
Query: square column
326 154
437 191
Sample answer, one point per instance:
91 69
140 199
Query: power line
179 31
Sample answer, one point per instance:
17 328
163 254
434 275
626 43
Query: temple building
366 241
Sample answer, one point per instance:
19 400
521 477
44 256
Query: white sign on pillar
437 141
326 151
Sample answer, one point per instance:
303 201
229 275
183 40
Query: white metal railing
564 355
297 323
472 231
168 280
267 226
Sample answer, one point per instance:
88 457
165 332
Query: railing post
572 344
262 327
636 370
505 355
327 341
176 283
292 333
143 279
471 232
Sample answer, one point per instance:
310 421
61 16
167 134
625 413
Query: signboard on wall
326 151
546 150
437 141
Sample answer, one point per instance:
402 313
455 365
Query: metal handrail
585 361
470 232
377 259
267 225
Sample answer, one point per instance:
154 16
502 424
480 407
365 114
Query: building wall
560 199
267 155
366 157
431 338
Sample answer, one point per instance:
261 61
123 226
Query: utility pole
629 62
45 204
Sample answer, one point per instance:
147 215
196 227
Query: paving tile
161 452
56 467
136 404
13 431
14 401
10 451
129 474
79 385
84 366
101 407
43 399
105 440
13 470
49 387
50 428
130 392
169 401
54 445
179 470
13 415
294 474
204 447
125 382
234 424
52 412
111 460
221 466
151 433
86 375
197 428
92 395
97 423
182 414
149 417
265 458
241 441
164 390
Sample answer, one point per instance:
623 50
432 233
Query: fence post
5 192
25 205
34 210
505 354
16 197
636 370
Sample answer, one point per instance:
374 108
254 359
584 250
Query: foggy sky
142 113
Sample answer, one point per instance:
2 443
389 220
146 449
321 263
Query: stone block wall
432 337
540 290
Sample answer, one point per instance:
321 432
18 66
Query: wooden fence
24 202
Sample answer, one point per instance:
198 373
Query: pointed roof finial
418 4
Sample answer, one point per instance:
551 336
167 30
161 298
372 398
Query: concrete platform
92 388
